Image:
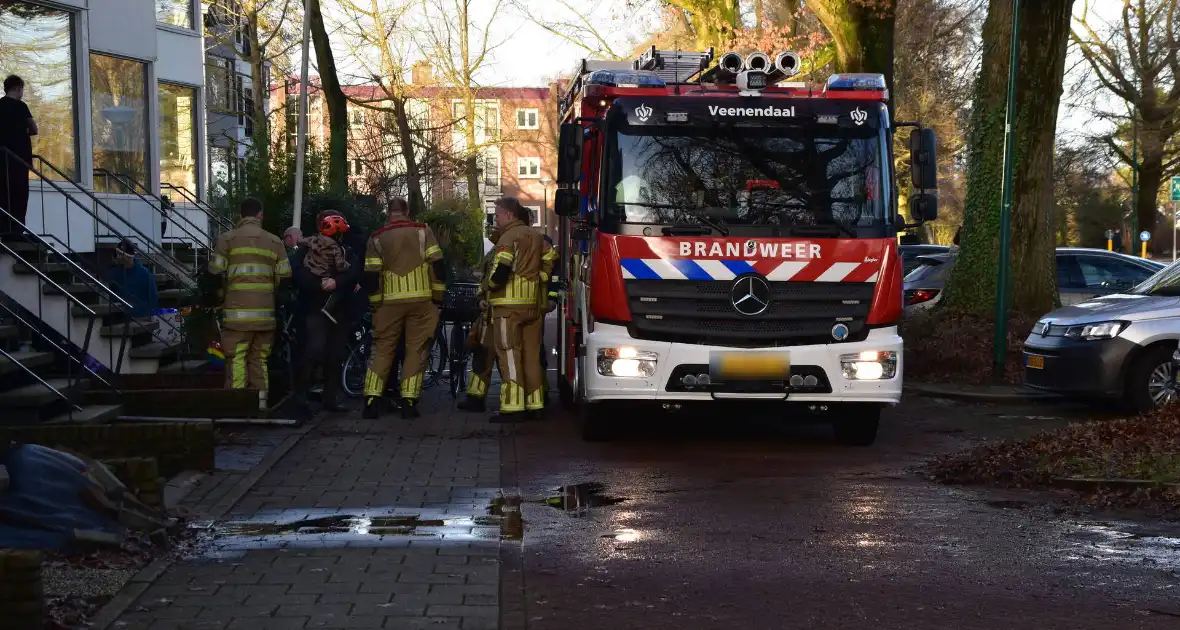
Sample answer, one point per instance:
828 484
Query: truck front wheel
857 426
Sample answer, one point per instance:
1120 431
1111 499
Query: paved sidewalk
363 524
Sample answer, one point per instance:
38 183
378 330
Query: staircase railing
63 351
138 189
165 262
56 392
224 223
91 315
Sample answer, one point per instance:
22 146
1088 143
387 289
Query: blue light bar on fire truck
856 82
625 79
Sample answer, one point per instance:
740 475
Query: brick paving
438 474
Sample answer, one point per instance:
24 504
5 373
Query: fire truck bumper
619 367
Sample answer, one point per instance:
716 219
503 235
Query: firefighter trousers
518 341
246 356
416 322
483 356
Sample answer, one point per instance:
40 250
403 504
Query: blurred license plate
1034 362
749 366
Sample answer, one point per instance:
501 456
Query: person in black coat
330 307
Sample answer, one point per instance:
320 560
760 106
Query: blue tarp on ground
44 501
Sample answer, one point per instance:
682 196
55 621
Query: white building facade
117 90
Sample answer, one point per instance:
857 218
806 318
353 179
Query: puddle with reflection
576 499
378 527
1126 544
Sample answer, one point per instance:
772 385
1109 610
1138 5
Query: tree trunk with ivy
335 101
1044 31
258 83
862 31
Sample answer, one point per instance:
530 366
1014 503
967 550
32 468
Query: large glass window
778 177
37 44
175 12
118 102
178 136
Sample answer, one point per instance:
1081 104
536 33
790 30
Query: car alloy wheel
1161 385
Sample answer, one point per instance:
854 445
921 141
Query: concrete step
90 414
37 395
143 326
9 331
154 350
179 367
31 359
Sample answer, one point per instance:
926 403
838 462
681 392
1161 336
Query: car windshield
1165 282
747 176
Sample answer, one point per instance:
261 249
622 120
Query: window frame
525 112
192 20
198 103
150 167
523 165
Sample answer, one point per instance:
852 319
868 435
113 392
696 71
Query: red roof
373 92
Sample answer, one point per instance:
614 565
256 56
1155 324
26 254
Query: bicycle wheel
436 359
352 376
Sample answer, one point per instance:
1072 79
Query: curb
1090 484
140 582
959 392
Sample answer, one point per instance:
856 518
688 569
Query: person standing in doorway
17 129
254 263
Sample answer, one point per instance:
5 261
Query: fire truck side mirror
924 159
569 154
565 202
924 207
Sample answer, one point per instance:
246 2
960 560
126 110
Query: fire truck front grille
690 311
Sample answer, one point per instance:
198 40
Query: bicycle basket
460 303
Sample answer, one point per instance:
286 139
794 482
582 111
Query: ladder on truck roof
672 66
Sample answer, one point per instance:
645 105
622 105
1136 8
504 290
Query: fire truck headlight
626 361
869 366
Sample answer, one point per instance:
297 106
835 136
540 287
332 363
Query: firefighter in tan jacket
514 298
480 341
254 262
404 263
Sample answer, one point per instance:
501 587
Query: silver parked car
1114 346
1082 274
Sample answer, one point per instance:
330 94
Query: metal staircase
62 289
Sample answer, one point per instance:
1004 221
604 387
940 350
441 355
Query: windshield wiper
703 217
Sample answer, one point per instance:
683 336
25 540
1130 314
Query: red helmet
332 225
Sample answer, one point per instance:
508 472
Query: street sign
1145 236
1176 189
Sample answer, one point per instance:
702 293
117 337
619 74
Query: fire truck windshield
787 177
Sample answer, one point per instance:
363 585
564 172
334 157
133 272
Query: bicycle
460 309
356 363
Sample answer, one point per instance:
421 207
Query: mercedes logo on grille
750 295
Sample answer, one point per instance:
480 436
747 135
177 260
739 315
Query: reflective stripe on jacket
402 253
520 248
254 261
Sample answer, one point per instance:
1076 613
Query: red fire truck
729 235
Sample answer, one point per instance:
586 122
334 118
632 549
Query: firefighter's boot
410 409
372 408
473 404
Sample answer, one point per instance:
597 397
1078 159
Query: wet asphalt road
734 523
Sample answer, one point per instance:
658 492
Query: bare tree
1137 61
461 49
334 99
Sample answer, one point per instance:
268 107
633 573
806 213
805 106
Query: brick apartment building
515 132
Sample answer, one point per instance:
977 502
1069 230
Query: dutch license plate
1034 362
749 366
